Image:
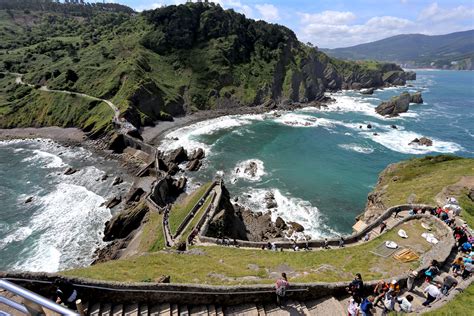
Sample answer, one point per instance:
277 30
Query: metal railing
30 296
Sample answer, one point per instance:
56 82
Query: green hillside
156 64
454 51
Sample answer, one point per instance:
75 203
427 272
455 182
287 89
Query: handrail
13 304
35 298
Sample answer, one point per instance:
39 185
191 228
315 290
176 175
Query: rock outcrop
422 141
122 224
399 104
368 91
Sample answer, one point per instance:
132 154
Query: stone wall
116 292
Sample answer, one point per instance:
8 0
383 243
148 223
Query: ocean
321 164
63 224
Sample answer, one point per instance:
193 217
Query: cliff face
165 62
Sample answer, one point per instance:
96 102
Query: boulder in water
422 141
29 200
394 106
416 98
251 169
70 171
296 227
113 202
117 181
369 91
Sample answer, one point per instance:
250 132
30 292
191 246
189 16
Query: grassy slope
180 210
426 177
233 263
152 238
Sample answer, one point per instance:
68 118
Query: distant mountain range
450 51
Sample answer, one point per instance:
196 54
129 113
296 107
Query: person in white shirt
433 293
405 304
353 309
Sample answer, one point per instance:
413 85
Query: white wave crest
399 140
45 159
357 148
187 136
290 209
243 170
18 235
69 227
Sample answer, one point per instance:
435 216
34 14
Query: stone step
131 310
117 310
174 310
261 310
325 306
94 310
198 310
295 308
242 309
183 310
164 309
274 310
143 310
219 311
106 309
211 310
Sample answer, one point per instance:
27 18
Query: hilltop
449 51
158 64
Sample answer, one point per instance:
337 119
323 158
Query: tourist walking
354 307
405 304
280 289
382 227
448 283
367 307
432 293
341 242
379 291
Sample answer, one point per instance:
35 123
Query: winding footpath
123 125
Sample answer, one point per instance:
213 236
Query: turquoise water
62 226
320 164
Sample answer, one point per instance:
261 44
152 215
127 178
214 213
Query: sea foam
240 172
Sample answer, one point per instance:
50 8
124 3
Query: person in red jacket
281 286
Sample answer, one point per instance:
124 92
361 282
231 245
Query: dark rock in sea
416 98
194 165
113 202
271 204
369 91
251 169
396 105
117 181
280 223
410 75
360 126
375 134
394 126
29 200
173 169
177 156
70 171
236 199
369 126
197 154
104 177
122 224
422 141
410 85
180 184
296 227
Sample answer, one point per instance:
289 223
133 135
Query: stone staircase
323 307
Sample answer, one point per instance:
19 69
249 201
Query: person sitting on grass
280 289
432 293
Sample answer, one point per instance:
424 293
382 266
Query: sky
337 23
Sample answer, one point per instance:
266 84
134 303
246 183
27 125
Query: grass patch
189 229
228 265
180 210
152 238
460 305
425 177
468 208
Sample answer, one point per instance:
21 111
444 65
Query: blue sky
336 23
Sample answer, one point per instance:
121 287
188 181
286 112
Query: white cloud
268 12
150 6
329 17
339 33
437 14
